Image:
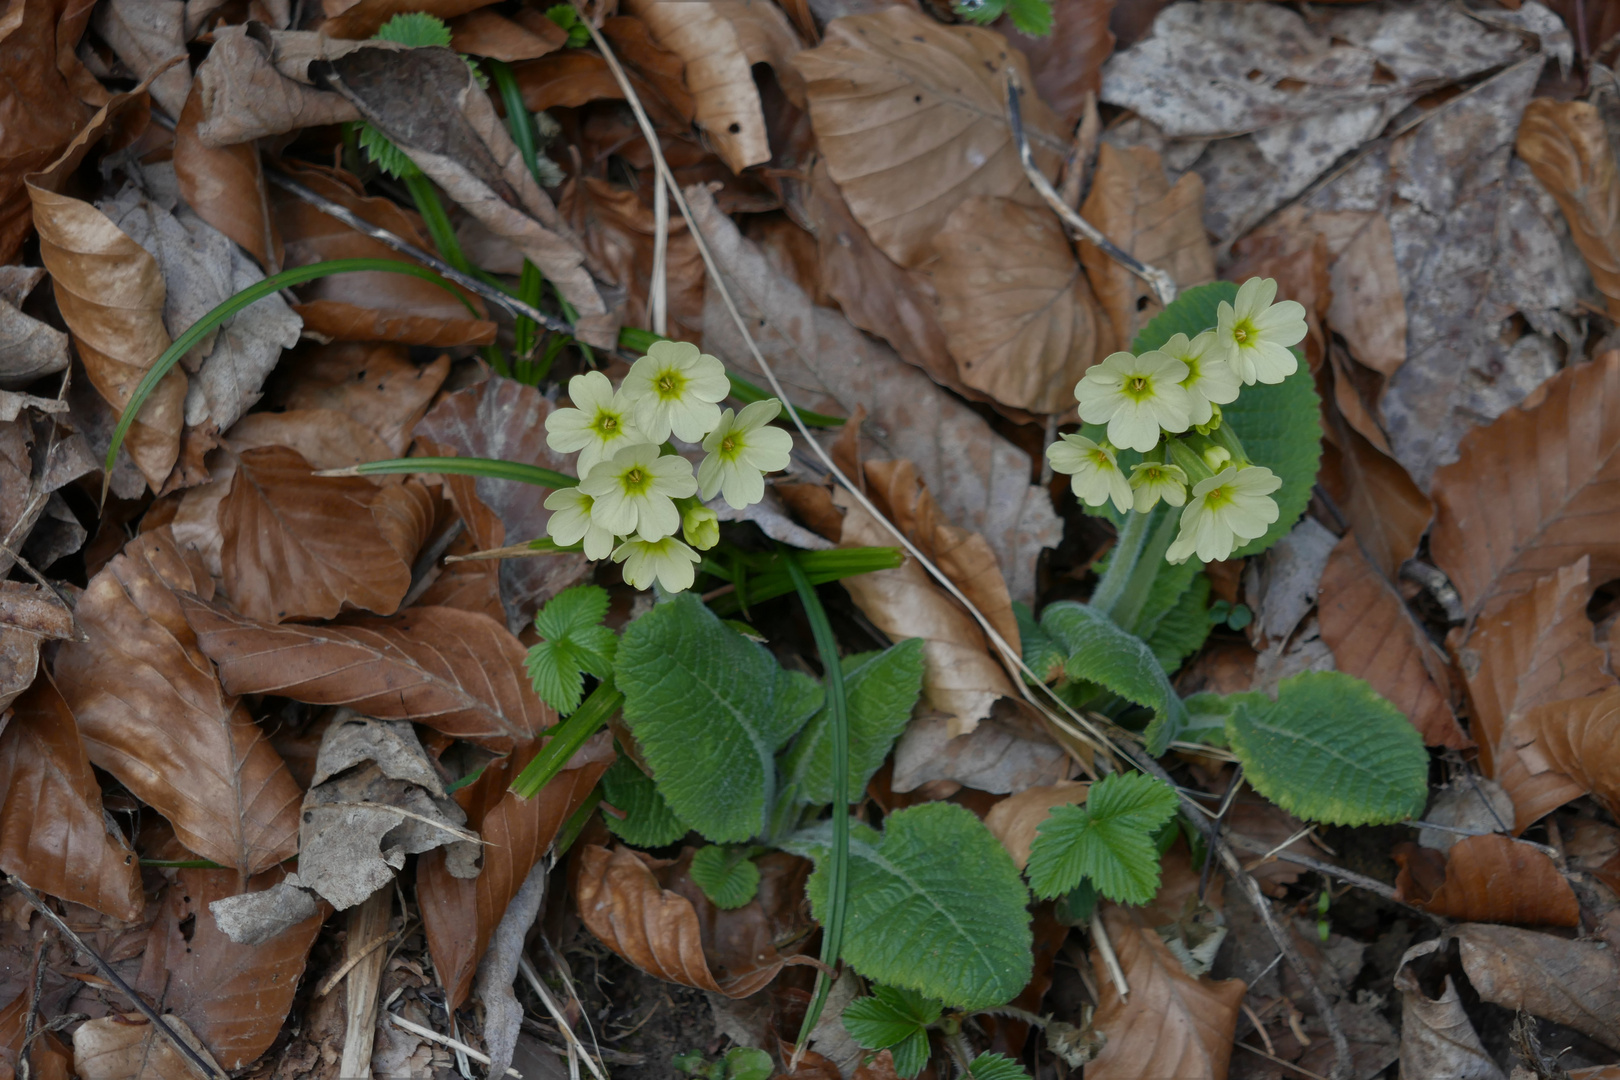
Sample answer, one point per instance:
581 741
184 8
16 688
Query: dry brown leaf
1437 1037
151 711
485 33
1387 510
1574 983
127 1047
225 186
1137 208
375 385
1374 637
719 41
145 35
1579 738
1566 146
1491 878
362 19
1022 321
28 347
1368 308
912 118
111 295
29 616
1066 64
569 80
1007 752
655 65
234 997
621 230
53 832
1016 819
459 915
249 92
1171 1024
1534 490
454 671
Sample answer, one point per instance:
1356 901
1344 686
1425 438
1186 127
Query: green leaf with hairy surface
648 821
1330 749
935 905
996 1067
1207 714
1110 840
881 689
896 1020
1100 652
1181 630
1192 312
1041 653
710 709
573 644
726 875
1281 428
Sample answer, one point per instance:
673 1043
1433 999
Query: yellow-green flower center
636 480
729 446
1138 387
607 425
1243 331
1219 498
670 383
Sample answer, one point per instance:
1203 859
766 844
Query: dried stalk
444 1040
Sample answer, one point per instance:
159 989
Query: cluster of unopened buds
1166 404
636 491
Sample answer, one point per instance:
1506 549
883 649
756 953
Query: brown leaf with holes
911 116
152 712
1491 878
234 997
1534 490
1568 150
525 36
1574 983
454 671
375 385
53 832
1171 1024
458 914
620 229
125 1046
225 186
1137 208
1375 637
1019 314
1534 650
1579 738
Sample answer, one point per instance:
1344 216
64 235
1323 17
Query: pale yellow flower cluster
634 493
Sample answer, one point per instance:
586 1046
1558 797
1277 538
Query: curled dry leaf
1574 983
459 915
374 385
1171 1024
454 671
234 997
53 832
145 36
362 19
485 33
127 1047
1015 819
1566 146
912 118
1437 1037
152 712
620 230
225 186
254 83
1388 512
651 64
28 347
1373 636
1491 878
1022 321
30 615
1579 739
1004 753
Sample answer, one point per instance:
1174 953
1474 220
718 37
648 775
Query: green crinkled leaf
1181 631
574 644
996 1067
727 877
1197 309
1169 584
416 29
935 905
798 698
1330 749
648 821
895 1020
1100 652
710 710
1041 653
1111 840
1207 714
880 689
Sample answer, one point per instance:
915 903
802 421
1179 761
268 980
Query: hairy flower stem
1135 564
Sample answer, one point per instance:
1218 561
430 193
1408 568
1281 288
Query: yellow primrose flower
1152 481
599 425
1135 396
675 387
1232 505
742 448
636 492
1254 335
570 523
1210 380
1092 471
668 560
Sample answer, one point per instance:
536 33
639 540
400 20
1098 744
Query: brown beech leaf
569 80
1566 146
127 1047
53 832
1437 1037
459 915
660 69
145 36
1171 1024
485 33
1387 510
1534 650
225 186
1022 321
1579 738
912 118
29 616
719 41
111 294
1004 753
621 230
1015 819
296 545
362 19
28 348
1137 208
1374 636
152 712
234 997
370 305
1067 63
1491 878
1574 983
1368 308
1535 489
254 84
375 385
454 671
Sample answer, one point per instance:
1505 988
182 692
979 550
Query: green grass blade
567 737
464 466
819 567
517 115
298 275
637 340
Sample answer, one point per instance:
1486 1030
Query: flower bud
700 526
1216 458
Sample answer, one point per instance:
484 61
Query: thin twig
556 1014
1279 1061
1160 281
445 1040
117 980
1220 817
1099 933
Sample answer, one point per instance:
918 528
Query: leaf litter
238 695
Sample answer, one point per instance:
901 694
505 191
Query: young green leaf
573 644
1180 631
1109 840
896 1020
935 905
1330 749
710 710
726 875
648 821
996 1067
416 29
1102 653
881 688
1041 652
747 1063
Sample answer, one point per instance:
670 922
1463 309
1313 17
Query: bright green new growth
648 821
726 875
1032 17
895 1020
996 1067
574 643
1109 840
1330 749
935 905
881 687
567 19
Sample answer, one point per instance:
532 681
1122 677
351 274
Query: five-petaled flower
675 389
600 424
1254 335
1232 505
1210 380
1135 396
668 560
635 492
1152 481
570 523
1093 472
742 448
